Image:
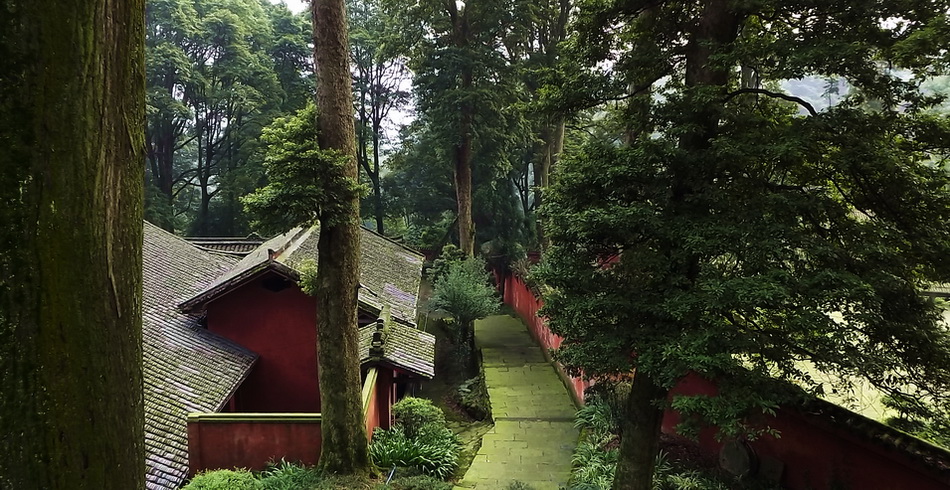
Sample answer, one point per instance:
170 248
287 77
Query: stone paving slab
534 436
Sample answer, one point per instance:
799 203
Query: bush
473 397
288 476
593 466
224 480
433 451
599 419
415 413
420 482
449 255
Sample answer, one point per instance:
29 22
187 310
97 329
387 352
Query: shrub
288 476
433 451
449 255
473 397
419 482
415 413
593 466
239 479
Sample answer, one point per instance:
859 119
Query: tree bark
552 138
463 183
345 448
717 26
639 435
71 126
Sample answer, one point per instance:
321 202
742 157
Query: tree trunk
718 26
377 185
639 435
463 183
552 137
71 122
345 448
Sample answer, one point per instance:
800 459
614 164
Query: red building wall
524 302
817 452
221 443
281 328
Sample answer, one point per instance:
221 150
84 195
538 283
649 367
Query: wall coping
258 418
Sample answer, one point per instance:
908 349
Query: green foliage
308 276
416 414
304 182
419 441
432 451
594 466
449 255
216 73
419 482
598 418
224 480
464 292
666 477
923 422
742 236
289 476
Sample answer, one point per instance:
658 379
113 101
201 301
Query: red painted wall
281 328
816 452
215 445
524 302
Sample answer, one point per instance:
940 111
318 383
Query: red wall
220 444
817 451
281 328
524 302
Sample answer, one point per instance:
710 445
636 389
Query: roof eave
239 280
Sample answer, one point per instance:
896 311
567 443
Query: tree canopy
730 229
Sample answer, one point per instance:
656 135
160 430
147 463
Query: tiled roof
233 245
390 273
187 369
403 346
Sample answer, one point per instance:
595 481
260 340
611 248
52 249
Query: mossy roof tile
186 368
390 274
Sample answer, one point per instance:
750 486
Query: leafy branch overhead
305 182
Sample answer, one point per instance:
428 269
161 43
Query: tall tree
734 231
378 76
71 121
345 449
463 87
217 72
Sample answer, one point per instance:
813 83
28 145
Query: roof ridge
293 240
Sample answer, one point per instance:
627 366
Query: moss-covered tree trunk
71 129
345 449
640 435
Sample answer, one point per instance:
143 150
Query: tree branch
778 95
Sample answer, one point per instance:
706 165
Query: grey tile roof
187 369
390 274
404 347
233 245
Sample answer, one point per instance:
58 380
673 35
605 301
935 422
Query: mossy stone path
534 433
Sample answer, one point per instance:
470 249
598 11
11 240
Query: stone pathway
534 434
